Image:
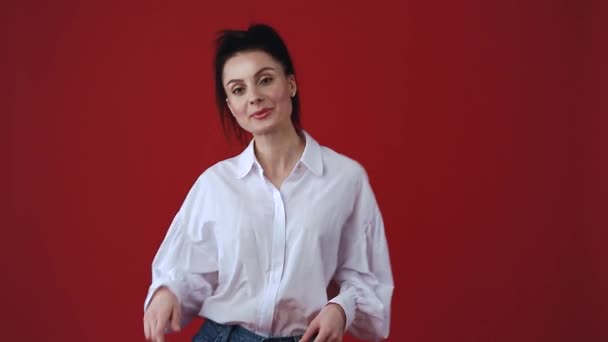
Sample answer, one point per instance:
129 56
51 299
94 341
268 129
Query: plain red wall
472 119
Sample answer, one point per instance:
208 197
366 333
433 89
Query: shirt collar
245 160
311 157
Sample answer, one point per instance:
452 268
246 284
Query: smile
262 113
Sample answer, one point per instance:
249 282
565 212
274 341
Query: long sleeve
186 261
279 248
364 271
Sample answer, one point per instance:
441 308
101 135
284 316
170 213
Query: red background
480 126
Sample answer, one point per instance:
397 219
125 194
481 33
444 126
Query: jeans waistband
218 332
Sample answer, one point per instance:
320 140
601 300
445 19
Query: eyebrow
256 74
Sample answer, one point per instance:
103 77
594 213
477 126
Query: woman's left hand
328 325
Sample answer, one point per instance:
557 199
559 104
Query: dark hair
256 37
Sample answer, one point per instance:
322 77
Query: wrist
339 308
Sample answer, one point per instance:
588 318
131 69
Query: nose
255 97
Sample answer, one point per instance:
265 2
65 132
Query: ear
293 86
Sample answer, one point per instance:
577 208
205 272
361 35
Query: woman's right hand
163 307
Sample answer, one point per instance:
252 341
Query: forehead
245 64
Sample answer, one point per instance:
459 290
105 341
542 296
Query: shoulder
224 168
336 163
214 178
347 171
212 182
353 178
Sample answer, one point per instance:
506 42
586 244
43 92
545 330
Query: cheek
287 100
238 109
282 97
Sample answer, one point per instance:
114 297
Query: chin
264 127
263 130
271 124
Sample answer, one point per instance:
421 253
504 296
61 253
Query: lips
262 113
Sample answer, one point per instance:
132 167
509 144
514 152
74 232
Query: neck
279 151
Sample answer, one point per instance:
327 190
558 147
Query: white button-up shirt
240 251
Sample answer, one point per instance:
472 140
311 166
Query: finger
323 336
312 329
160 327
152 325
147 328
176 317
158 333
334 337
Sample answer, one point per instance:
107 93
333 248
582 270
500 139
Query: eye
266 80
237 90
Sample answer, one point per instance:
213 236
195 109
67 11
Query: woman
260 236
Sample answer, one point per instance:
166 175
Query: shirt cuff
346 300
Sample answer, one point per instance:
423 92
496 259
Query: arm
364 272
184 268
186 261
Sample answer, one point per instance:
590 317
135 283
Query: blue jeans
211 331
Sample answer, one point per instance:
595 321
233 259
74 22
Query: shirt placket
276 263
